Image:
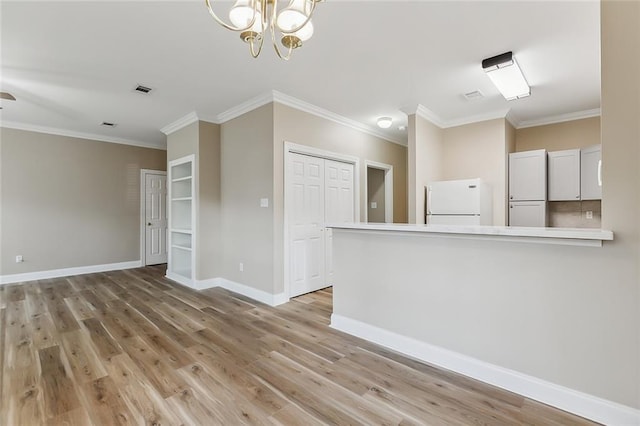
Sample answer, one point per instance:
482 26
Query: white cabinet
528 175
564 175
528 213
181 265
591 173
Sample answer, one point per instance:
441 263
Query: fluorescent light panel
504 72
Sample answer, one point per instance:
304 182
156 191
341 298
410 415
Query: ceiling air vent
472 96
143 89
107 124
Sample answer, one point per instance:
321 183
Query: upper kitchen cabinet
564 175
528 175
591 173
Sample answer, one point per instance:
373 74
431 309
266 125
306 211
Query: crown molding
424 112
80 135
245 107
292 102
477 118
190 118
561 118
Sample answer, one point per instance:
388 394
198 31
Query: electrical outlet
589 214
19 258
241 267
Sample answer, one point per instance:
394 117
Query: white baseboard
66 272
245 290
579 403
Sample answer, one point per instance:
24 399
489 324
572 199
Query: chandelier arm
275 43
252 49
224 24
299 27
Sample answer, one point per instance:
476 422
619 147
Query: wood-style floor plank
133 348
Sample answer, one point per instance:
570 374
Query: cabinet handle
599 172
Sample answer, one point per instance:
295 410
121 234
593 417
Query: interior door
306 220
339 205
155 219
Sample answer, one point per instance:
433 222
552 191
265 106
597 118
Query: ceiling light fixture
385 122
504 72
292 24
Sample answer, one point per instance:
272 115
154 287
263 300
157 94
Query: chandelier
252 18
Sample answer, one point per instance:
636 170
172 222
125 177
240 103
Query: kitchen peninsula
514 307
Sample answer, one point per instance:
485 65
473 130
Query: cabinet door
591 173
564 175
528 175
528 213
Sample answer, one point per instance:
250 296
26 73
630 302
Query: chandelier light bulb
241 14
293 16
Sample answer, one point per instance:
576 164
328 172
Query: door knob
149 224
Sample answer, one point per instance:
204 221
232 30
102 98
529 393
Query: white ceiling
73 65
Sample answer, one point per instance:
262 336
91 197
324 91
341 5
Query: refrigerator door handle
428 200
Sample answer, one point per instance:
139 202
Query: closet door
306 221
339 205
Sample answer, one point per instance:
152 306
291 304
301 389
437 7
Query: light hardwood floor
130 347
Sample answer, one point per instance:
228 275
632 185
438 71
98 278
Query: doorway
153 217
379 192
319 190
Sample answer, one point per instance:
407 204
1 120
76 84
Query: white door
155 219
306 219
321 191
339 205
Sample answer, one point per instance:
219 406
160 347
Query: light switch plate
589 214
374 205
264 202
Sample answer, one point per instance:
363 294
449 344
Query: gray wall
69 202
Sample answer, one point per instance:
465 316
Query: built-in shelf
182 231
181 264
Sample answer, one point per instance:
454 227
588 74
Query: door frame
388 189
143 217
294 148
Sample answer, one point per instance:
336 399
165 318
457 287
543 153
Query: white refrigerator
459 202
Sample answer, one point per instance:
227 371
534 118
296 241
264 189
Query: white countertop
569 236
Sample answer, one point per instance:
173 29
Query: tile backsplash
573 214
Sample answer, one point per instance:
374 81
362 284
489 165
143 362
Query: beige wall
425 156
375 194
478 151
209 210
247 176
568 315
560 136
69 202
